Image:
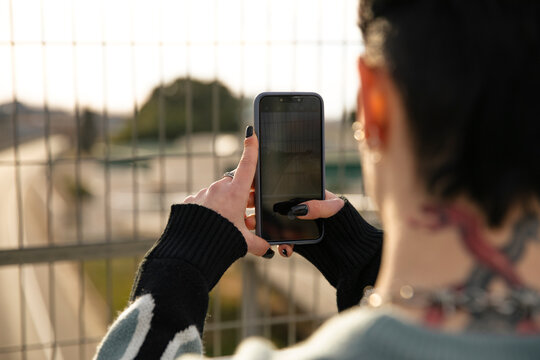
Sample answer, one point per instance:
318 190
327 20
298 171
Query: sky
112 53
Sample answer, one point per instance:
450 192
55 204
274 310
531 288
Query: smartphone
290 170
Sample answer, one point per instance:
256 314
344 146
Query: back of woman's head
469 75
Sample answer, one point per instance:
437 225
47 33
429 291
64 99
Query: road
40 303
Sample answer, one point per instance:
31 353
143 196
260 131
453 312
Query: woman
448 132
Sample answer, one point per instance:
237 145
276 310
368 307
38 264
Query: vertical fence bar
106 164
267 309
18 185
47 131
216 335
294 64
344 117
189 130
134 132
242 67
250 307
162 125
49 191
23 313
188 111
250 311
316 273
215 125
78 192
77 113
134 136
15 129
268 44
267 327
316 298
291 321
319 43
215 130
291 311
215 96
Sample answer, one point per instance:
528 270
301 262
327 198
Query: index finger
245 172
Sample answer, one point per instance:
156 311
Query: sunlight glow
114 52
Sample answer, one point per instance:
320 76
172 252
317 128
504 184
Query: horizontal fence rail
104 250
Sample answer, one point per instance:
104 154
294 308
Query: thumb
256 245
322 208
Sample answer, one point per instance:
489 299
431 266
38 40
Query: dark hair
469 75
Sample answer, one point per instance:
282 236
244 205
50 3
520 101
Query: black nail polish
269 254
284 252
299 210
249 131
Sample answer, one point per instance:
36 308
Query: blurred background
111 111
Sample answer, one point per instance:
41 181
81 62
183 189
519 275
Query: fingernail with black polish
249 131
284 252
269 254
299 210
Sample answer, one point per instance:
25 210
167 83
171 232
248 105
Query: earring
373 143
359 133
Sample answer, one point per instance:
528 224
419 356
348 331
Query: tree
87 131
170 103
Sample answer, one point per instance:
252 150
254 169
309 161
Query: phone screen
290 164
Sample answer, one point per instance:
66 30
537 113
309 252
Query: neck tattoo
439 304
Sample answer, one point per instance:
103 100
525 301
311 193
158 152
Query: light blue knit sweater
170 298
358 333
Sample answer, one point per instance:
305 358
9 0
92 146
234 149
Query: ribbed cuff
201 237
349 244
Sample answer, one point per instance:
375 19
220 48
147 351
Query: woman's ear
373 100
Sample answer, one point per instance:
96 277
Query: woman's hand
231 196
316 209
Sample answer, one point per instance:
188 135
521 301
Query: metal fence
80 206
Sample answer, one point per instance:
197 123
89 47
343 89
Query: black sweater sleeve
196 248
348 256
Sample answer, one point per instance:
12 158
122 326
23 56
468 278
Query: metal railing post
250 306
